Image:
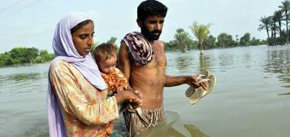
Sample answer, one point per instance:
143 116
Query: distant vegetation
277 25
183 42
22 55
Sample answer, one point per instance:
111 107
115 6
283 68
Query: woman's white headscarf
65 50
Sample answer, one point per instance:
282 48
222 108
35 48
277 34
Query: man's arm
123 60
125 67
171 81
194 81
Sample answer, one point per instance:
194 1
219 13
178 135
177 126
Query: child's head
106 57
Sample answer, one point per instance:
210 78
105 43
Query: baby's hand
120 89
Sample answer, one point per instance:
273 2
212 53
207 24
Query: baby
106 58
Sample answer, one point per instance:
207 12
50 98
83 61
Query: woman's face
83 38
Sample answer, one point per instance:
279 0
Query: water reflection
187 63
288 93
194 131
204 63
12 84
278 61
167 128
19 77
226 61
37 130
182 63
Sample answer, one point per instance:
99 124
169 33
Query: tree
5 59
255 41
31 53
274 26
112 41
23 55
265 25
171 45
225 40
18 55
45 56
93 47
278 17
201 33
211 42
285 8
245 40
182 40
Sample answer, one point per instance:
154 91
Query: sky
31 23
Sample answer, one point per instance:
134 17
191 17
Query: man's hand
196 82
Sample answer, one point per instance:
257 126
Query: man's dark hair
151 8
75 28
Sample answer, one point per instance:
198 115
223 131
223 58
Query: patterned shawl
140 49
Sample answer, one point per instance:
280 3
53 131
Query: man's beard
150 35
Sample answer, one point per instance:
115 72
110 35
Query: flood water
251 97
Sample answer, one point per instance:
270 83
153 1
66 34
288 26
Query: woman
77 98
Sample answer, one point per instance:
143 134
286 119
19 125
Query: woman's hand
134 97
137 102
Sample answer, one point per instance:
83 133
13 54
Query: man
143 61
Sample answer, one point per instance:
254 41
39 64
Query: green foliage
245 40
112 41
5 59
93 48
45 56
266 21
201 33
211 42
170 46
182 41
255 41
276 25
21 55
225 40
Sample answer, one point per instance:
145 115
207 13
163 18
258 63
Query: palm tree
201 33
278 17
273 26
285 8
265 25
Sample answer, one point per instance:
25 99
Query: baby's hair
104 51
